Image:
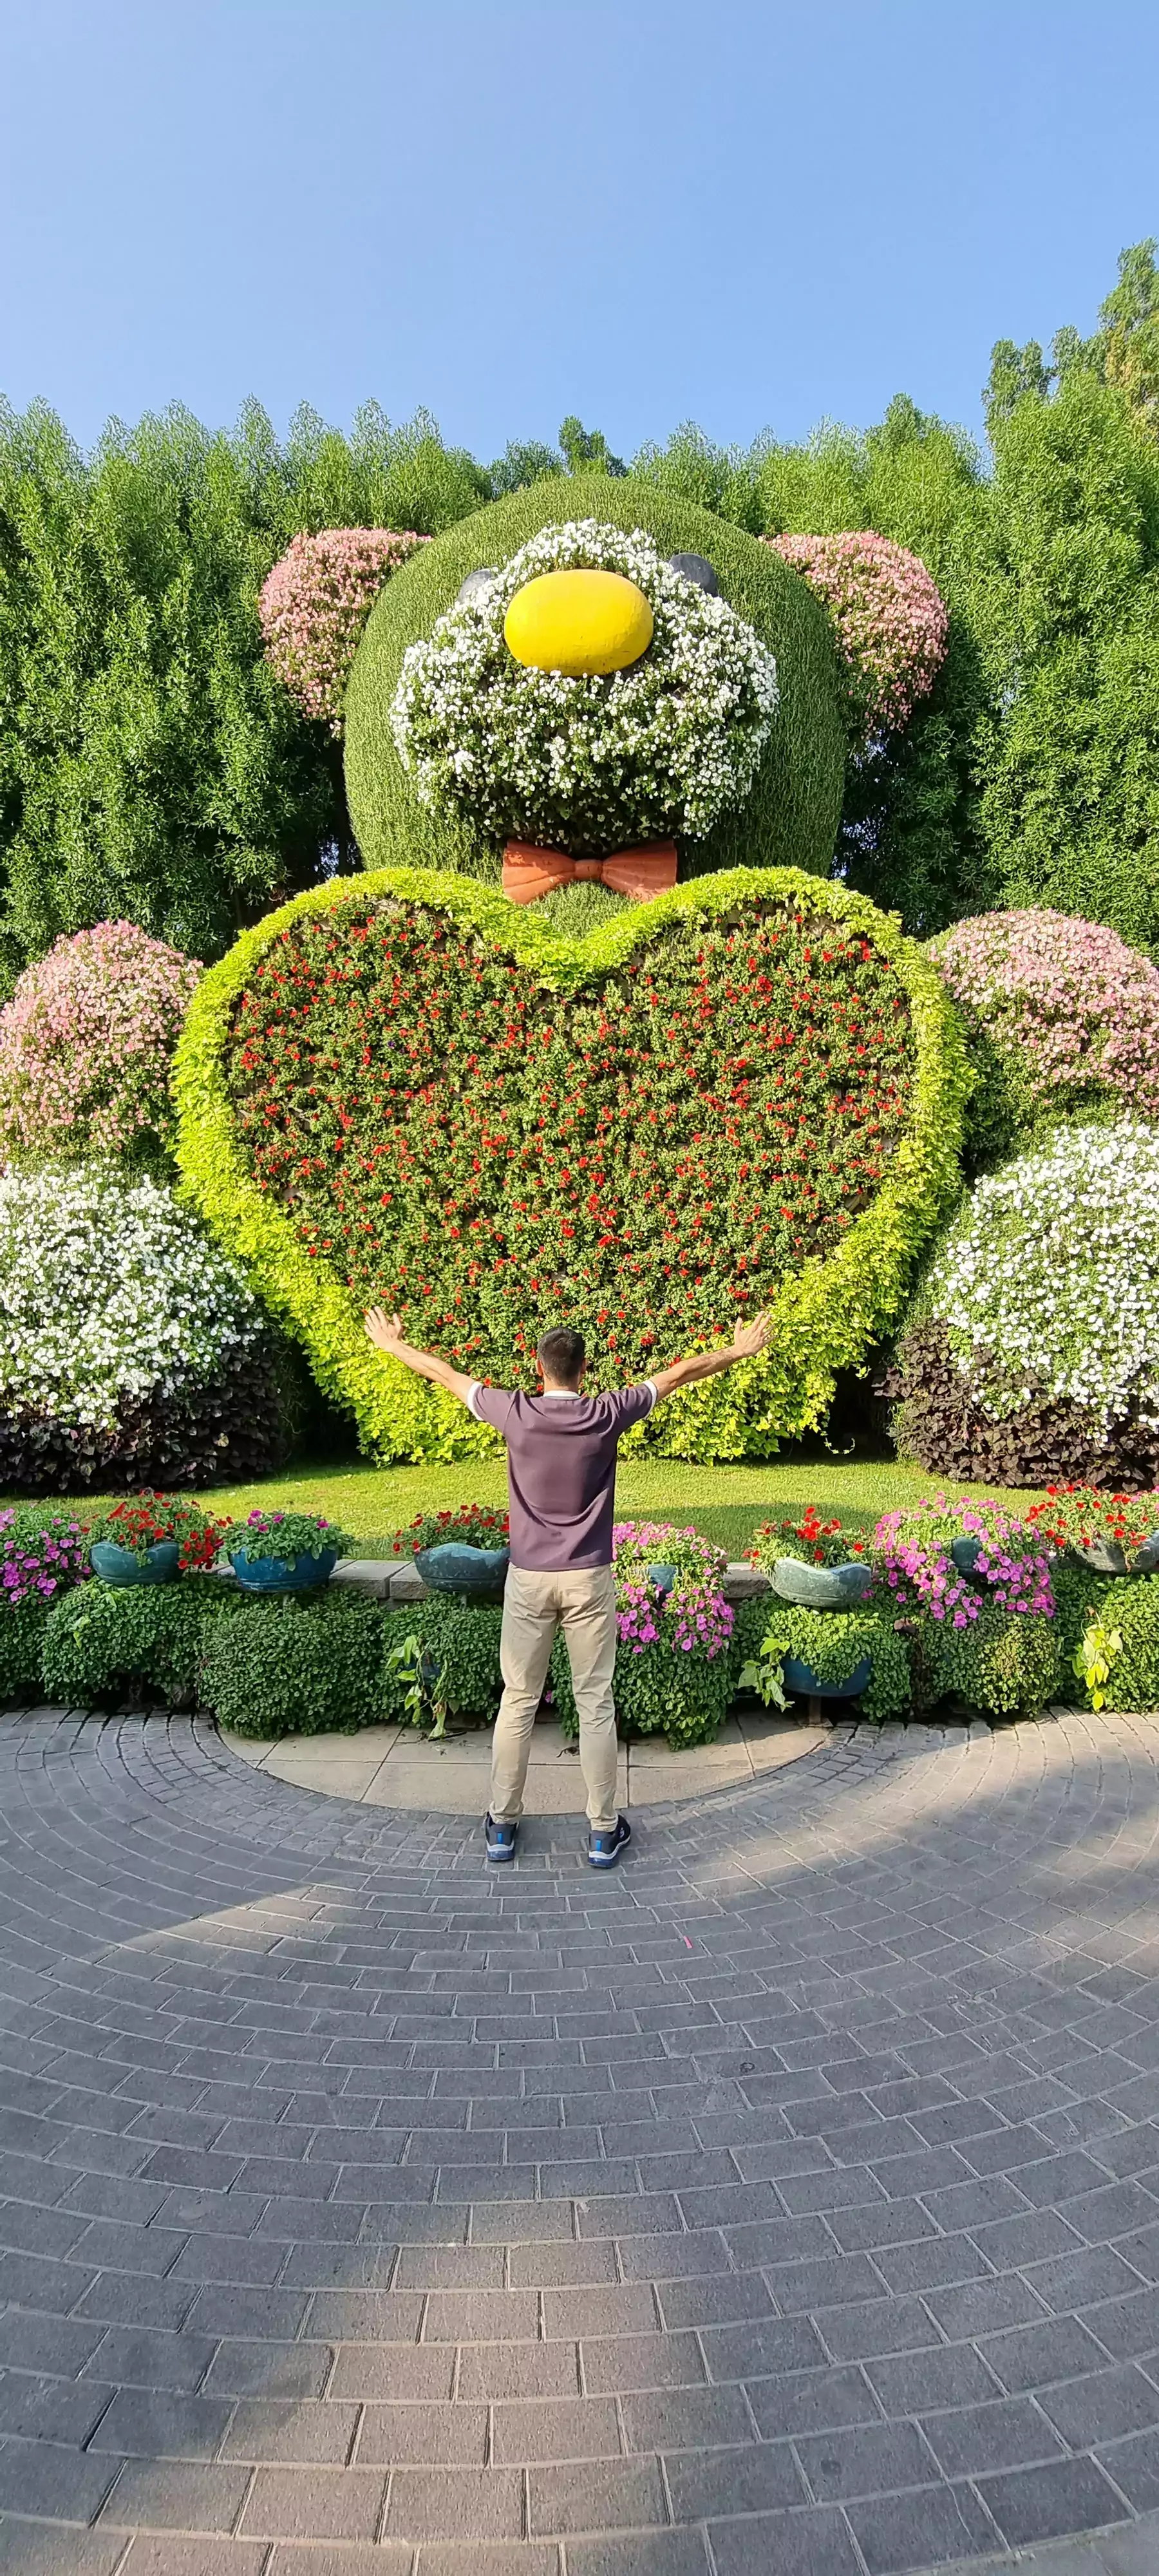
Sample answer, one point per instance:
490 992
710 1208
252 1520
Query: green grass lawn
724 1503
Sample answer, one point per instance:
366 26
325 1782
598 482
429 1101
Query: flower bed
913 1550
676 1663
285 1536
147 1520
43 1557
964 1629
1062 1017
1078 1515
1032 1349
810 1539
86 1044
471 1526
595 763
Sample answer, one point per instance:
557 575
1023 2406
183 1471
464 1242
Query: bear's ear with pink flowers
315 603
889 619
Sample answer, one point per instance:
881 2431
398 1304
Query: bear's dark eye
697 568
474 582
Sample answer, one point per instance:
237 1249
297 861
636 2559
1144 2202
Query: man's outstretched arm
385 1331
747 1340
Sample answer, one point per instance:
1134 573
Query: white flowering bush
597 762
129 1345
1033 1348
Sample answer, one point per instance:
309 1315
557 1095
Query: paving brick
1036 2356
313 2504
756 2479
880 2326
1003 2433
455 2504
393 2434
174 2557
1134 2466
728 2299
928 2527
177 2495
1040 2504
267 2429
31 2549
864 2459
671 2419
42 2478
153 2424
663 2553
596 2495
628 2362
350 2558
794 2544
507 2370
266 2369
812 2401
577 2428
494 2558
949 2375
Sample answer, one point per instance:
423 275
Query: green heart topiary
402 1089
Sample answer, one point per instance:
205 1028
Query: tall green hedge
151 765
791 817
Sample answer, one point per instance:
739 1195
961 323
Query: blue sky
641 210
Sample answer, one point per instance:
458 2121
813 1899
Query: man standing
561 1475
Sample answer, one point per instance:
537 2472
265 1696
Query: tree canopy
151 767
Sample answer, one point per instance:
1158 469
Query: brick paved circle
785 2205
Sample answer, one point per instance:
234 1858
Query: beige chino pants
583 1603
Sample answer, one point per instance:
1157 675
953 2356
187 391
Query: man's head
562 1357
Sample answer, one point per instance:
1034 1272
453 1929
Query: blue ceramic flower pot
273 1574
821 1587
452 1566
1102 1556
801 1678
964 1553
118 1565
664 1578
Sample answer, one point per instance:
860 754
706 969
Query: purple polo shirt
561 1470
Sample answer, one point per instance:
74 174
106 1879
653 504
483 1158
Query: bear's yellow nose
578 622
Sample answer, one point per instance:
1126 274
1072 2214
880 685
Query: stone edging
385 1581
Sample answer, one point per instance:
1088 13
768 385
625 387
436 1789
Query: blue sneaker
500 1837
606 1843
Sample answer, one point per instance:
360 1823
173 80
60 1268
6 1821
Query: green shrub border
833 1643
825 1318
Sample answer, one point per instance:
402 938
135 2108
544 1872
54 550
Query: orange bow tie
529 872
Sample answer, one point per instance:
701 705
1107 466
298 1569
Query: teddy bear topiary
594 1035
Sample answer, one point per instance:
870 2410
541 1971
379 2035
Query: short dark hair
561 1354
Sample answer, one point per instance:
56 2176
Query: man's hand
750 1338
385 1331
747 1340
